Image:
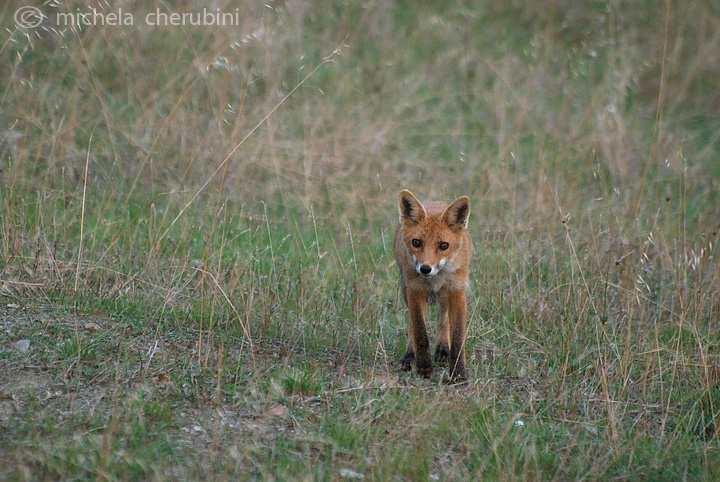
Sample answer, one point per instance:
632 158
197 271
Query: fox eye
417 243
443 246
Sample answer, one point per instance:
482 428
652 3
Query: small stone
350 474
278 410
22 345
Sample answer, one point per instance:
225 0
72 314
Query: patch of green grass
130 453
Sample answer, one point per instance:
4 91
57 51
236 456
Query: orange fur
433 249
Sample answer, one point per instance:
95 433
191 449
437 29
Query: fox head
433 232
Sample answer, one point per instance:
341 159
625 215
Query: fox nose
425 269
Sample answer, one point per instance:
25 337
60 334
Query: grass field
196 271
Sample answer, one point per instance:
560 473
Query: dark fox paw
459 376
442 353
407 361
424 365
425 372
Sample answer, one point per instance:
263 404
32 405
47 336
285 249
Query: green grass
202 262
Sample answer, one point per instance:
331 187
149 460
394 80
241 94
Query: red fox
433 249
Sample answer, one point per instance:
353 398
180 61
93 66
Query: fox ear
456 214
410 208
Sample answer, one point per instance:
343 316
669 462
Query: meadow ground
196 271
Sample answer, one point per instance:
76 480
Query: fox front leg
442 348
421 346
458 322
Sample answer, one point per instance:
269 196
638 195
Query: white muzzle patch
422 269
